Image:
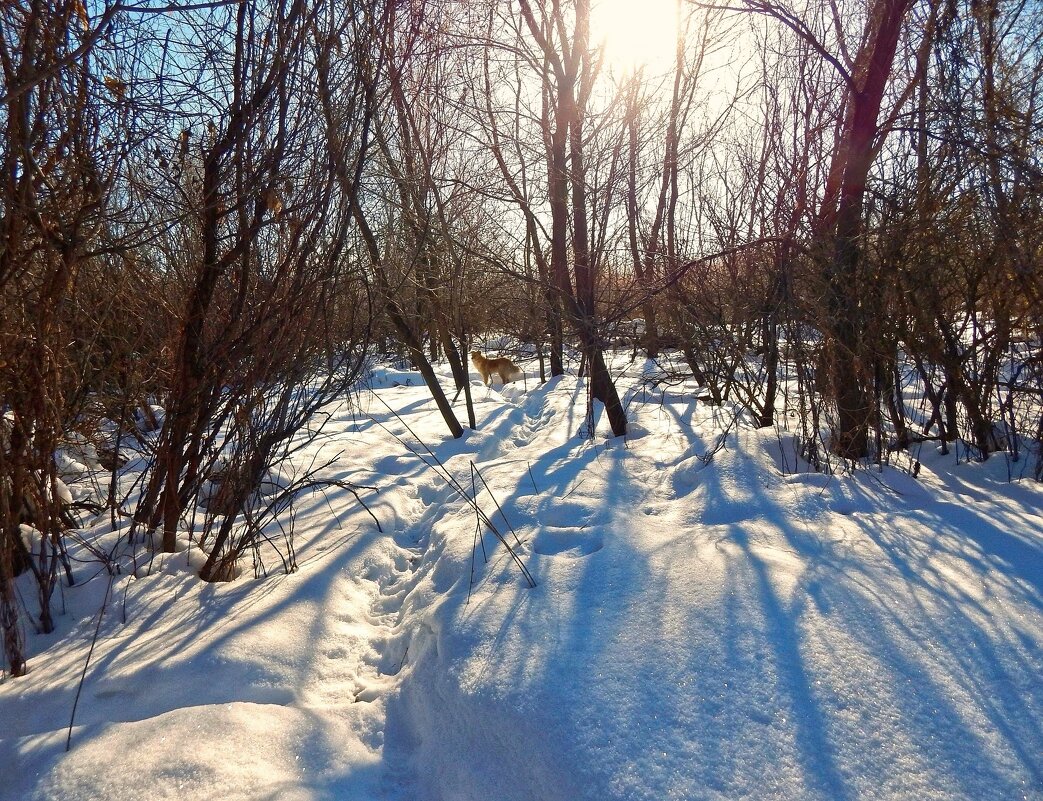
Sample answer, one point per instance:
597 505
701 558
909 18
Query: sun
635 34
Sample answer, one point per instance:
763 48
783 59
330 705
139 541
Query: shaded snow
701 628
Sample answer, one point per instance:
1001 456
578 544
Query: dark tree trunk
847 365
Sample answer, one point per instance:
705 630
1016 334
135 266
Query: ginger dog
504 367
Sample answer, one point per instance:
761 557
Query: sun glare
635 33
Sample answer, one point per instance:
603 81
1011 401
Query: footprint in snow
115 690
566 542
568 514
336 653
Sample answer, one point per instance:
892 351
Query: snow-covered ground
702 628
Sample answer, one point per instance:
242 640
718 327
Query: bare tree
269 267
864 73
571 69
54 193
373 26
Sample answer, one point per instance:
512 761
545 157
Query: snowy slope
701 628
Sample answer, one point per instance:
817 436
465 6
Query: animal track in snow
336 653
566 542
568 514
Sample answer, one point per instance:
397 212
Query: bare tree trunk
573 78
645 280
10 628
847 363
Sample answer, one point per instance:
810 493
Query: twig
533 480
83 675
475 469
450 479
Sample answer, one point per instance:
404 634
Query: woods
211 215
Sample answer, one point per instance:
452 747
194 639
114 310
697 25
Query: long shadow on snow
936 610
547 764
747 640
133 675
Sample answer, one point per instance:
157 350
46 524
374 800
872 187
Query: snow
708 623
